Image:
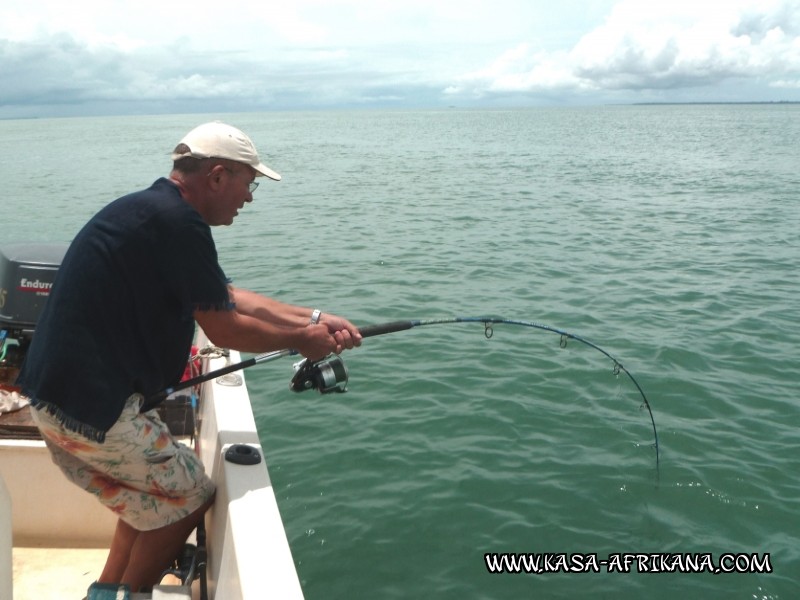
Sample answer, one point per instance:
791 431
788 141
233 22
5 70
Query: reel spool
328 375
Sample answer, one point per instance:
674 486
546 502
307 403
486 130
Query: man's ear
215 176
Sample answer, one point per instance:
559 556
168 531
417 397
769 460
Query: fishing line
372 330
330 374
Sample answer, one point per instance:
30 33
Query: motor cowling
27 273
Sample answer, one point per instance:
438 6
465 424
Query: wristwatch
315 316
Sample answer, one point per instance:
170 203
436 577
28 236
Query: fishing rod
371 330
330 374
188 383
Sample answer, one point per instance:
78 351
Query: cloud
308 53
786 84
59 75
54 60
520 70
652 46
57 67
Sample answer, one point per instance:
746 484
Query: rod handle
371 330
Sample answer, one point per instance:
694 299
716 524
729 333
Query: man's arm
269 310
260 324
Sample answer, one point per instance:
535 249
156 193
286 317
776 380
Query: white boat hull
248 552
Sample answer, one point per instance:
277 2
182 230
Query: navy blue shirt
119 319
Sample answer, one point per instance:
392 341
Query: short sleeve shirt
119 319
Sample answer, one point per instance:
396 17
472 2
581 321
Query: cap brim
263 169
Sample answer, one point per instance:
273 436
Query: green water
669 236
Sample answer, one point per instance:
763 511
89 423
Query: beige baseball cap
218 140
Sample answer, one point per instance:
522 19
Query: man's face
234 191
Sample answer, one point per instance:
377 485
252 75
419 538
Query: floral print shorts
140 471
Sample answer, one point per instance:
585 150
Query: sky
108 57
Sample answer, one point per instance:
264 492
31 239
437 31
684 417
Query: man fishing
118 328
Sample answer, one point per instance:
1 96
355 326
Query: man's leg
142 471
119 554
147 554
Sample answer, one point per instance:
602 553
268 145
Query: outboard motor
27 272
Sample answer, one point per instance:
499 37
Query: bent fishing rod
330 374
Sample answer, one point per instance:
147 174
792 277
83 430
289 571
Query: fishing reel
326 375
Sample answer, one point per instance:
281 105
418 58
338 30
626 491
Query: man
118 328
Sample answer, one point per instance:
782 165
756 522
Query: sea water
669 236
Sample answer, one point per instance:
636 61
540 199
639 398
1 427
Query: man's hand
316 342
344 332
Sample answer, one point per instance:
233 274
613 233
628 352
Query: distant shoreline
712 103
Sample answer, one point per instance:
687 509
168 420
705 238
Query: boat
54 537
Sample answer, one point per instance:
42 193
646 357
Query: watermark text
553 562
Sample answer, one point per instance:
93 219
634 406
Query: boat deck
66 573
55 572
